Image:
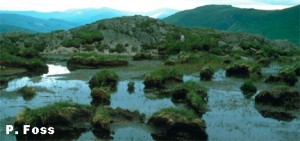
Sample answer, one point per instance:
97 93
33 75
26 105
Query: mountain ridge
274 24
35 24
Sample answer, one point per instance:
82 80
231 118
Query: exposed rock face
176 127
280 97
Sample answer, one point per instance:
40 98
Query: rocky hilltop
130 35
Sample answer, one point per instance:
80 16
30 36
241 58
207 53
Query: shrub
119 49
72 43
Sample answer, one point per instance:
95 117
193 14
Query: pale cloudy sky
138 5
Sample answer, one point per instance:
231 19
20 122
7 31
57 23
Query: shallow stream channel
230 115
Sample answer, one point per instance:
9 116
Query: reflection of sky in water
56 69
230 115
49 90
137 100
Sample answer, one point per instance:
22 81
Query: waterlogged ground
230 115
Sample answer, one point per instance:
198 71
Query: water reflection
55 70
137 100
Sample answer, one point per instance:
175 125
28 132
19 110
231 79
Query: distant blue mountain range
22 21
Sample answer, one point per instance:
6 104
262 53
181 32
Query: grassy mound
104 78
158 78
93 60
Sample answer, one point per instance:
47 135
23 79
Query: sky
138 5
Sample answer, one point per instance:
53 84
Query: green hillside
274 24
11 28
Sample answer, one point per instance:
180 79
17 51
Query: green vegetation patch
101 95
196 102
244 69
189 114
206 73
93 60
62 112
281 96
104 78
130 86
101 118
158 78
191 93
28 92
288 75
248 89
33 65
